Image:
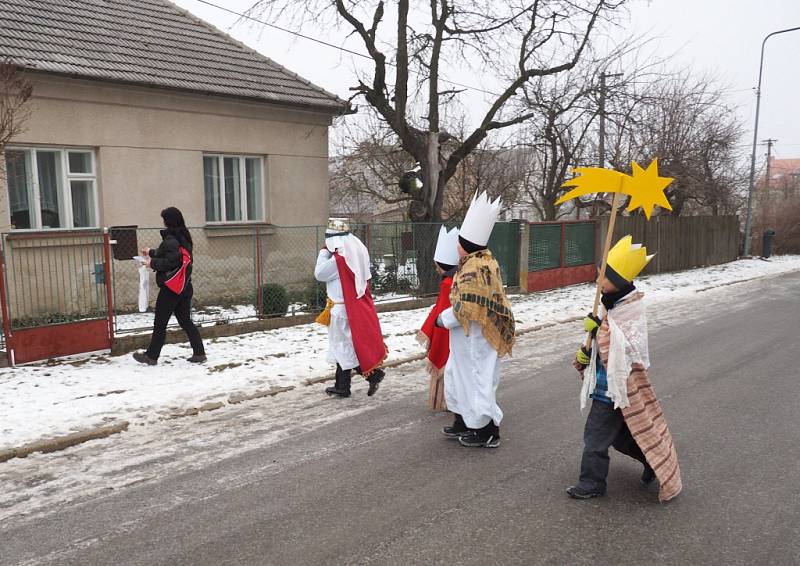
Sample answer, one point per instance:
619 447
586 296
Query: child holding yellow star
625 413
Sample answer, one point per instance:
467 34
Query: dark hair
173 221
445 267
469 247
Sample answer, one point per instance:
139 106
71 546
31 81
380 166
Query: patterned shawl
642 411
477 295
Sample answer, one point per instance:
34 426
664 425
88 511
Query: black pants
167 304
605 427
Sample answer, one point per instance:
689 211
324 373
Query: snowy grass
45 400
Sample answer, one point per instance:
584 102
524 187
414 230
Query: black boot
375 379
341 386
458 429
648 475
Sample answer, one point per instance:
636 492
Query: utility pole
769 143
602 114
749 221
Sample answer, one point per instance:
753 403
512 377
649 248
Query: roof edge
346 108
320 109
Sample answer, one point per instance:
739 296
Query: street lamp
749 221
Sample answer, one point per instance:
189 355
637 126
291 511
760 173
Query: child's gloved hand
592 323
583 357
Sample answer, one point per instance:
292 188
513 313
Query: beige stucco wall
149 145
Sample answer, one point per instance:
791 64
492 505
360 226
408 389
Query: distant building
783 181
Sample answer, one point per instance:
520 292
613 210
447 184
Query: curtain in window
211 182
19 189
255 206
47 163
233 189
82 206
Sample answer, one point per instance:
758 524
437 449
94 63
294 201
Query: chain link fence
239 273
560 244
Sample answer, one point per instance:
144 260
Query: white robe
340 340
471 375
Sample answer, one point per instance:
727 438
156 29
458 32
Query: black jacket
167 258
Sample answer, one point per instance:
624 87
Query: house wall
150 142
149 145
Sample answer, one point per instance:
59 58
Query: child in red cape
436 339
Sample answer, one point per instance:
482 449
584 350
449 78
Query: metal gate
55 294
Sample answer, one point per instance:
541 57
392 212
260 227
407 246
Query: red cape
438 338
364 324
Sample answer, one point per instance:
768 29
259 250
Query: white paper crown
480 219
447 247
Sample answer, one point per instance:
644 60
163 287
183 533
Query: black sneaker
454 431
143 358
197 359
576 492
473 439
374 381
336 392
648 475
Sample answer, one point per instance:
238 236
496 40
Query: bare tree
513 40
365 173
15 93
684 120
364 177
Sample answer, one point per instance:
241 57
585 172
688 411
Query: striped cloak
645 419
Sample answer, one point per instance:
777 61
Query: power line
327 44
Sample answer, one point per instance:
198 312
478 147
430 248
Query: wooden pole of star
612 222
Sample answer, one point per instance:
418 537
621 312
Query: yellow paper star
646 189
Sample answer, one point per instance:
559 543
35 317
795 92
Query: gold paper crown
338 225
628 259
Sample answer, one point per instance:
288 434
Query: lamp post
749 221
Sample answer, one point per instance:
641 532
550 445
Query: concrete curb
62 442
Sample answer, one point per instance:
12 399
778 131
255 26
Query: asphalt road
385 487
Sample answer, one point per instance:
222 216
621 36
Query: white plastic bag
144 288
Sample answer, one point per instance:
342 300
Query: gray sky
721 37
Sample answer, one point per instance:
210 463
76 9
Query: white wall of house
149 146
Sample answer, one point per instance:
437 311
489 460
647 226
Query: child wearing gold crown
625 413
355 340
481 329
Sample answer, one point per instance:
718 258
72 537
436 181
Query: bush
274 300
312 296
315 296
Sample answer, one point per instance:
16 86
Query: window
51 188
234 188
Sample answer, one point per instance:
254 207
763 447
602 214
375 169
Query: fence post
259 276
5 310
524 246
109 288
563 258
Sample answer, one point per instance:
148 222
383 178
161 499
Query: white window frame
64 188
242 188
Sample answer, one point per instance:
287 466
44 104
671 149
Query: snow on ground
45 400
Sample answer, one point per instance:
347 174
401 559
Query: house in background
781 180
138 105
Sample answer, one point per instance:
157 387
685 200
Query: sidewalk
49 400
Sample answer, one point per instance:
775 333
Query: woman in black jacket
166 261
